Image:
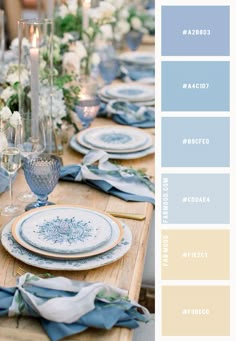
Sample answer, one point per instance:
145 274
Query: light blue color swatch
195 86
195 31
195 142
195 199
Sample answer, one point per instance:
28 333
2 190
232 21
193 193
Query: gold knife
135 216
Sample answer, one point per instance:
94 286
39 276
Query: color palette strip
195 142
193 254
195 86
195 31
195 199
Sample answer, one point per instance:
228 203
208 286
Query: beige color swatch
195 254
195 310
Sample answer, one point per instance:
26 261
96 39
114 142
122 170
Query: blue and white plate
146 103
64 229
140 58
115 139
74 144
132 92
116 236
32 259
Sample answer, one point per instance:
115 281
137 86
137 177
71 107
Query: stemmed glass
42 174
30 145
11 162
109 65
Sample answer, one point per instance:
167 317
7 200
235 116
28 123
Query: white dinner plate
115 139
132 92
141 58
122 156
27 257
63 229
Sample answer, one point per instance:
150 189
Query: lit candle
86 7
34 68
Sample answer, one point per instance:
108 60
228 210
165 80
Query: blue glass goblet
87 110
42 174
109 69
133 39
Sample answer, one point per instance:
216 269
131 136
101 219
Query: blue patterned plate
115 139
74 144
64 229
32 259
116 236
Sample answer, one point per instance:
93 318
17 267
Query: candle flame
35 38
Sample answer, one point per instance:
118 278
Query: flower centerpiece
82 41
64 92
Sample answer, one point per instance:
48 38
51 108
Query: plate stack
118 142
138 66
140 94
62 237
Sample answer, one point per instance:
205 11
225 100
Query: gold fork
21 271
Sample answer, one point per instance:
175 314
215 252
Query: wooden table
125 273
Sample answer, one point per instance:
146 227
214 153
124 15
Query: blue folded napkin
122 182
131 72
66 307
4 181
126 113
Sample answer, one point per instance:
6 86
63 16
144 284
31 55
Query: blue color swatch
195 199
195 31
195 86
195 142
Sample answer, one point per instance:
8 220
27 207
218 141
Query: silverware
134 216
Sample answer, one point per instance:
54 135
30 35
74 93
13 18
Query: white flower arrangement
7 119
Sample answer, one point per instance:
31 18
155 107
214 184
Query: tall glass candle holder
36 73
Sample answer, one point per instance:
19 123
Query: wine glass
42 174
11 162
31 141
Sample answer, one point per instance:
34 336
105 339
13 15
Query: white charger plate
115 139
27 257
125 156
116 236
141 58
108 99
63 229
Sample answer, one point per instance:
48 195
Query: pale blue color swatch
195 142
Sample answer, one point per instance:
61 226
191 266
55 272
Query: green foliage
70 23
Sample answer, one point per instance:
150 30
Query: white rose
63 11
136 23
15 119
79 49
3 141
90 31
71 63
123 27
67 37
7 93
72 6
123 14
5 114
106 32
95 60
